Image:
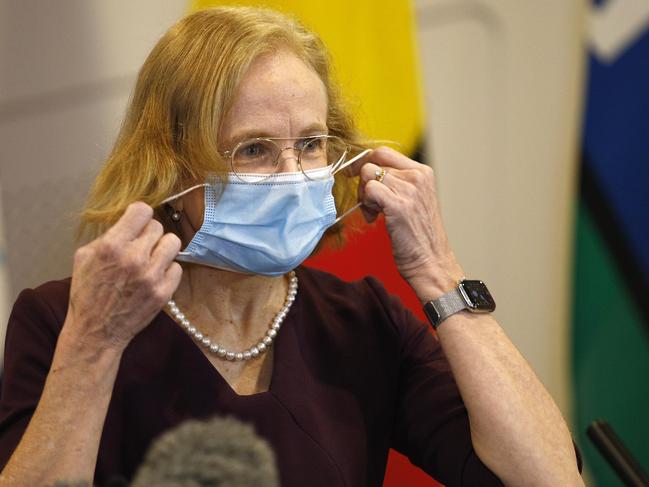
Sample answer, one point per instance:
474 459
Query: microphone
617 455
215 453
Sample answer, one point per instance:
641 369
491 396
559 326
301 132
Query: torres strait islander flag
372 43
611 280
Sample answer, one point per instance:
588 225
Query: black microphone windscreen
216 453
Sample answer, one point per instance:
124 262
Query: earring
176 216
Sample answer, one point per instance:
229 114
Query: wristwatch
470 295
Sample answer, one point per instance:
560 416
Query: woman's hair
169 136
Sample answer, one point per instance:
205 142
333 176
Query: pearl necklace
252 352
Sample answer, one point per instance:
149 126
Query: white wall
503 88
66 71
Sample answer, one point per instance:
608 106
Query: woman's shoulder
55 294
331 287
47 303
363 301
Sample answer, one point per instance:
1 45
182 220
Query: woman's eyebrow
313 129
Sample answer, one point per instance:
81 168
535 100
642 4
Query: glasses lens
255 157
320 152
313 152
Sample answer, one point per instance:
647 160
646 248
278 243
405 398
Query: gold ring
380 174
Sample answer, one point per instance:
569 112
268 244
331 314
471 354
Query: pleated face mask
268 227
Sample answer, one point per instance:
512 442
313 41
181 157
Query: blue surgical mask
268 227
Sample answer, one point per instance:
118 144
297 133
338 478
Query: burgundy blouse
354 375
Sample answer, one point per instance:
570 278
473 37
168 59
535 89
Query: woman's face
279 96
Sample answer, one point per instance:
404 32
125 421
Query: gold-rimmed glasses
254 160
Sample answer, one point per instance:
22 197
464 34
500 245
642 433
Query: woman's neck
218 300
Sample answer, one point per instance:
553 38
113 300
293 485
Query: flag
611 273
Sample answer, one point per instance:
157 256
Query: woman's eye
252 150
311 145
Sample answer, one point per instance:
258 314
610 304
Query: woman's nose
288 160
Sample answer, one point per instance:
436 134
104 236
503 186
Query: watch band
441 308
471 295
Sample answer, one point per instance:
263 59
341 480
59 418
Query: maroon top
354 374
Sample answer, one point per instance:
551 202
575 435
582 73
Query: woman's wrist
436 279
75 351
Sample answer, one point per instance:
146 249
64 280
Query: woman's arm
516 428
119 283
62 439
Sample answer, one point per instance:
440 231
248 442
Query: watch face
478 296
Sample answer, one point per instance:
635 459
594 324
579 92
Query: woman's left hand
408 199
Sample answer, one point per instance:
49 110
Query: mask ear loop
183 193
176 196
339 166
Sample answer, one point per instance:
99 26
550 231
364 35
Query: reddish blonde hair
169 137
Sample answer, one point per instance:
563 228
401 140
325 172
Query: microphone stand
617 455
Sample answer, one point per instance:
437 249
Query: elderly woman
234 159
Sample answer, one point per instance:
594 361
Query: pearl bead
254 351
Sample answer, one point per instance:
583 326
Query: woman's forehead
279 93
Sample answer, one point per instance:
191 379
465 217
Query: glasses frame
259 177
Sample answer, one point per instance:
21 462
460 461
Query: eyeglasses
254 160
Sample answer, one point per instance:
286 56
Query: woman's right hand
121 280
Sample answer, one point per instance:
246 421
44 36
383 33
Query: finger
371 171
377 196
165 251
387 157
149 236
369 215
132 222
394 179
171 280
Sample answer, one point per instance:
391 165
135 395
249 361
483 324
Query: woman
234 133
